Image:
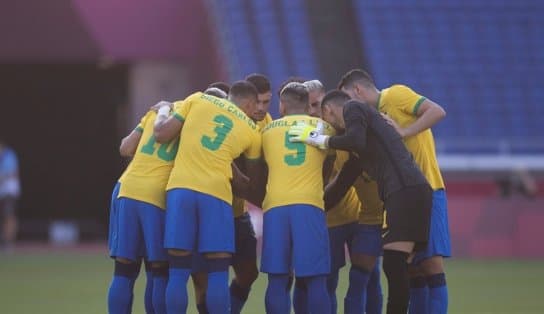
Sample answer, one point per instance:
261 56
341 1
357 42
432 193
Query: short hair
243 89
295 94
260 81
314 85
214 91
335 96
290 80
356 75
221 85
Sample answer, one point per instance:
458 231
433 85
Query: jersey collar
378 102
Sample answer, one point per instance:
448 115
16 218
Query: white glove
302 132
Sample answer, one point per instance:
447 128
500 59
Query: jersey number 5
166 152
224 126
296 158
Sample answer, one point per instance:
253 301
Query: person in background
10 191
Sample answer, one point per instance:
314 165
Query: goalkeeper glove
302 132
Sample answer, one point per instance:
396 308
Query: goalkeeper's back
295 170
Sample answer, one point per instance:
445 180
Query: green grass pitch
78 283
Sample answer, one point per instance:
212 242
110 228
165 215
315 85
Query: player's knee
124 260
159 269
218 264
174 252
432 266
126 269
364 262
214 255
402 246
246 273
414 271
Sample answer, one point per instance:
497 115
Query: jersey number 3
224 126
296 158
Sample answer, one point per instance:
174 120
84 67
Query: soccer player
401 185
10 190
137 217
294 229
413 115
213 132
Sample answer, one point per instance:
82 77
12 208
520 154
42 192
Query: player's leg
216 242
276 259
244 262
408 218
200 285
9 230
365 249
300 296
311 255
419 291
179 239
125 247
338 236
374 296
430 261
152 222
148 295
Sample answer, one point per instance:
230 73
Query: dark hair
214 91
295 94
243 89
260 81
356 75
221 85
335 96
290 79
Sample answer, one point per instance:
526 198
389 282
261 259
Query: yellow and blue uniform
294 228
199 194
402 104
138 204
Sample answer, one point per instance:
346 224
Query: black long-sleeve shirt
379 148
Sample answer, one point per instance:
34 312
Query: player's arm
328 166
257 171
339 186
167 127
240 182
354 137
428 114
129 144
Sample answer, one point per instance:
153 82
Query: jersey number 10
166 151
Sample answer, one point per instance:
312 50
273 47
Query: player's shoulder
398 90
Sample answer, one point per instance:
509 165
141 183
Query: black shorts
245 240
409 216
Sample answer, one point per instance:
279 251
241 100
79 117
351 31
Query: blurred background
76 75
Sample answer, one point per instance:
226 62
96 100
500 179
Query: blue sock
148 297
332 284
374 296
355 301
218 294
300 296
238 297
318 296
176 289
277 300
419 295
120 293
160 280
438 294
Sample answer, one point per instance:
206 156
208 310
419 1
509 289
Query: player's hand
302 132
394 124
160 104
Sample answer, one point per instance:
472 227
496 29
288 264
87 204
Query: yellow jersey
347 210
147 174
238 204
401 103
214 133
367 191
295 170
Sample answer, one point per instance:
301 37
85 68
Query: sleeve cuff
417 105
179 117
139 129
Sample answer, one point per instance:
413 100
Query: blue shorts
112 236
198 222
439 235
138 227
339 236
245 240
367 240
295 238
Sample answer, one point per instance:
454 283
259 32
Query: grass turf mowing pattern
78 283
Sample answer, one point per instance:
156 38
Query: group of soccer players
325 174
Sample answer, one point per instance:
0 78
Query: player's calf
217 294
160 281
359 276
122 285
246 273
200 284
180 264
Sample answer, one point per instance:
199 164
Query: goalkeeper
378 150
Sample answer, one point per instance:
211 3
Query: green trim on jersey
378 102
418 103
139 129
179 117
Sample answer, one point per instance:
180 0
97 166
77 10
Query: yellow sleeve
181 109
140 126
405 98
254 149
